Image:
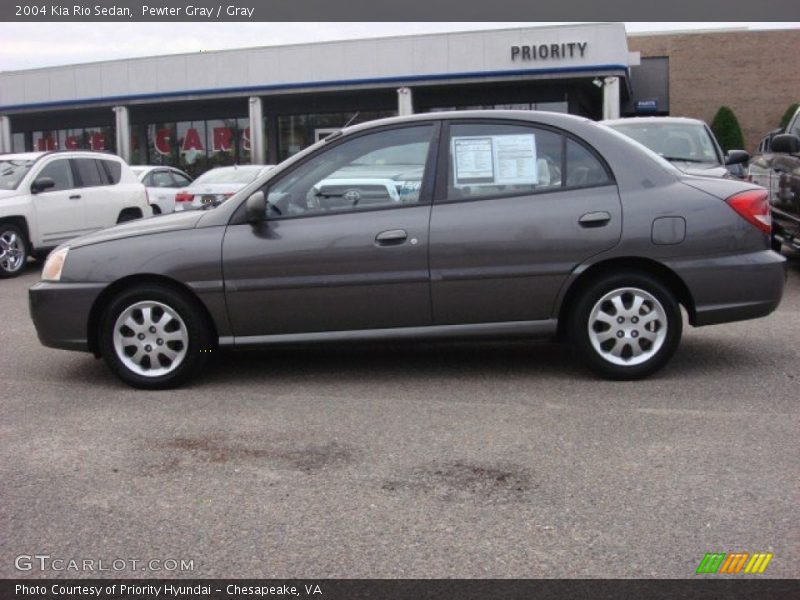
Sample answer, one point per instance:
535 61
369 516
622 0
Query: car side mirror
41 184
256 207
736 157
785 143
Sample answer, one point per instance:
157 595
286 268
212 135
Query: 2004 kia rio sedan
442 225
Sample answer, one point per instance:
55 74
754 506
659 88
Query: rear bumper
733 288
60 313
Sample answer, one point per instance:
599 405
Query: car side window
162 179
180 180
89 172
113 170
584 169
490 160
60 172
372 171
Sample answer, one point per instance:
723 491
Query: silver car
499 223
215 186
689 144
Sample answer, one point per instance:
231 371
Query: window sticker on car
494 160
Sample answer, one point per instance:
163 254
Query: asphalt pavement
411 461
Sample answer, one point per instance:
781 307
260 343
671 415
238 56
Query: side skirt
535 329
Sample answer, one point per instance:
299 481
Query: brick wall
756 73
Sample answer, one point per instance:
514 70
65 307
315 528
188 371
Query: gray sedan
445 225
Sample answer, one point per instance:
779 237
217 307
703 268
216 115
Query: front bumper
60 313
733 288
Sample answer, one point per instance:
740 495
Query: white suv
47 198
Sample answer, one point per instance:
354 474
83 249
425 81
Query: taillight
183 197
753 206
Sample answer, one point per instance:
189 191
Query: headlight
54 265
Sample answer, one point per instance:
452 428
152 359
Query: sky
32 45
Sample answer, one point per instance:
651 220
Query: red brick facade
756 73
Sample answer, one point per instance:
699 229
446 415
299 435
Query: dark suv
445 225
777 168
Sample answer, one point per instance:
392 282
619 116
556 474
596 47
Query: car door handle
392 237
75 197
594 219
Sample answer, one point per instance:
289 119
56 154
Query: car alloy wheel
154 336
13 252
627 326
150 338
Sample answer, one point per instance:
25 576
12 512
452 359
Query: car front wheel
153 337
13 251
626 326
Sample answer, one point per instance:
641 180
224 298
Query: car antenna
358 112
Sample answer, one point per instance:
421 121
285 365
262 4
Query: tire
640 344
125 338
13 251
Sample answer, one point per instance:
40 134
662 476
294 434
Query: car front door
517 207
344 243
59 209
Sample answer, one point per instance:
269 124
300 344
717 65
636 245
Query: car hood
161 224
215 188
703 169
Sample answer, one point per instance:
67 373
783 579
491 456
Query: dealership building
262 105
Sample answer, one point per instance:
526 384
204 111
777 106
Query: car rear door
337 251
101 199
517 207
59 209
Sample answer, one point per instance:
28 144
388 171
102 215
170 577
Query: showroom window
197 146
18 142
90 138
373 171
296 132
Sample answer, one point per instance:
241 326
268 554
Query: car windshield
687 142
642 148
12 171
240 175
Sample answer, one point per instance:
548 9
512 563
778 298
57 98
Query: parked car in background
162 184
215 186
777 168
47 198
483 247
689 144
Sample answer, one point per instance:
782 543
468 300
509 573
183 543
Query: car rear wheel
13 251
153 337
626 326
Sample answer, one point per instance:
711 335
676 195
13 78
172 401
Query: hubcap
12 252
627 326
150 338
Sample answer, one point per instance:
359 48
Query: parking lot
456 460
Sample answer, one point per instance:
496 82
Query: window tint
491 160
60 172
377 170
89 172
180 180
162 179
583 167
113 170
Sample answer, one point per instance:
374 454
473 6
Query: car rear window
113 170
229 176
90 172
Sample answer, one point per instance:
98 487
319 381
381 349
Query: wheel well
651 267
129 214
115 288
156 209
22 223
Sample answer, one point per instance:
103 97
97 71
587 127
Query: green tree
726 127
787 116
